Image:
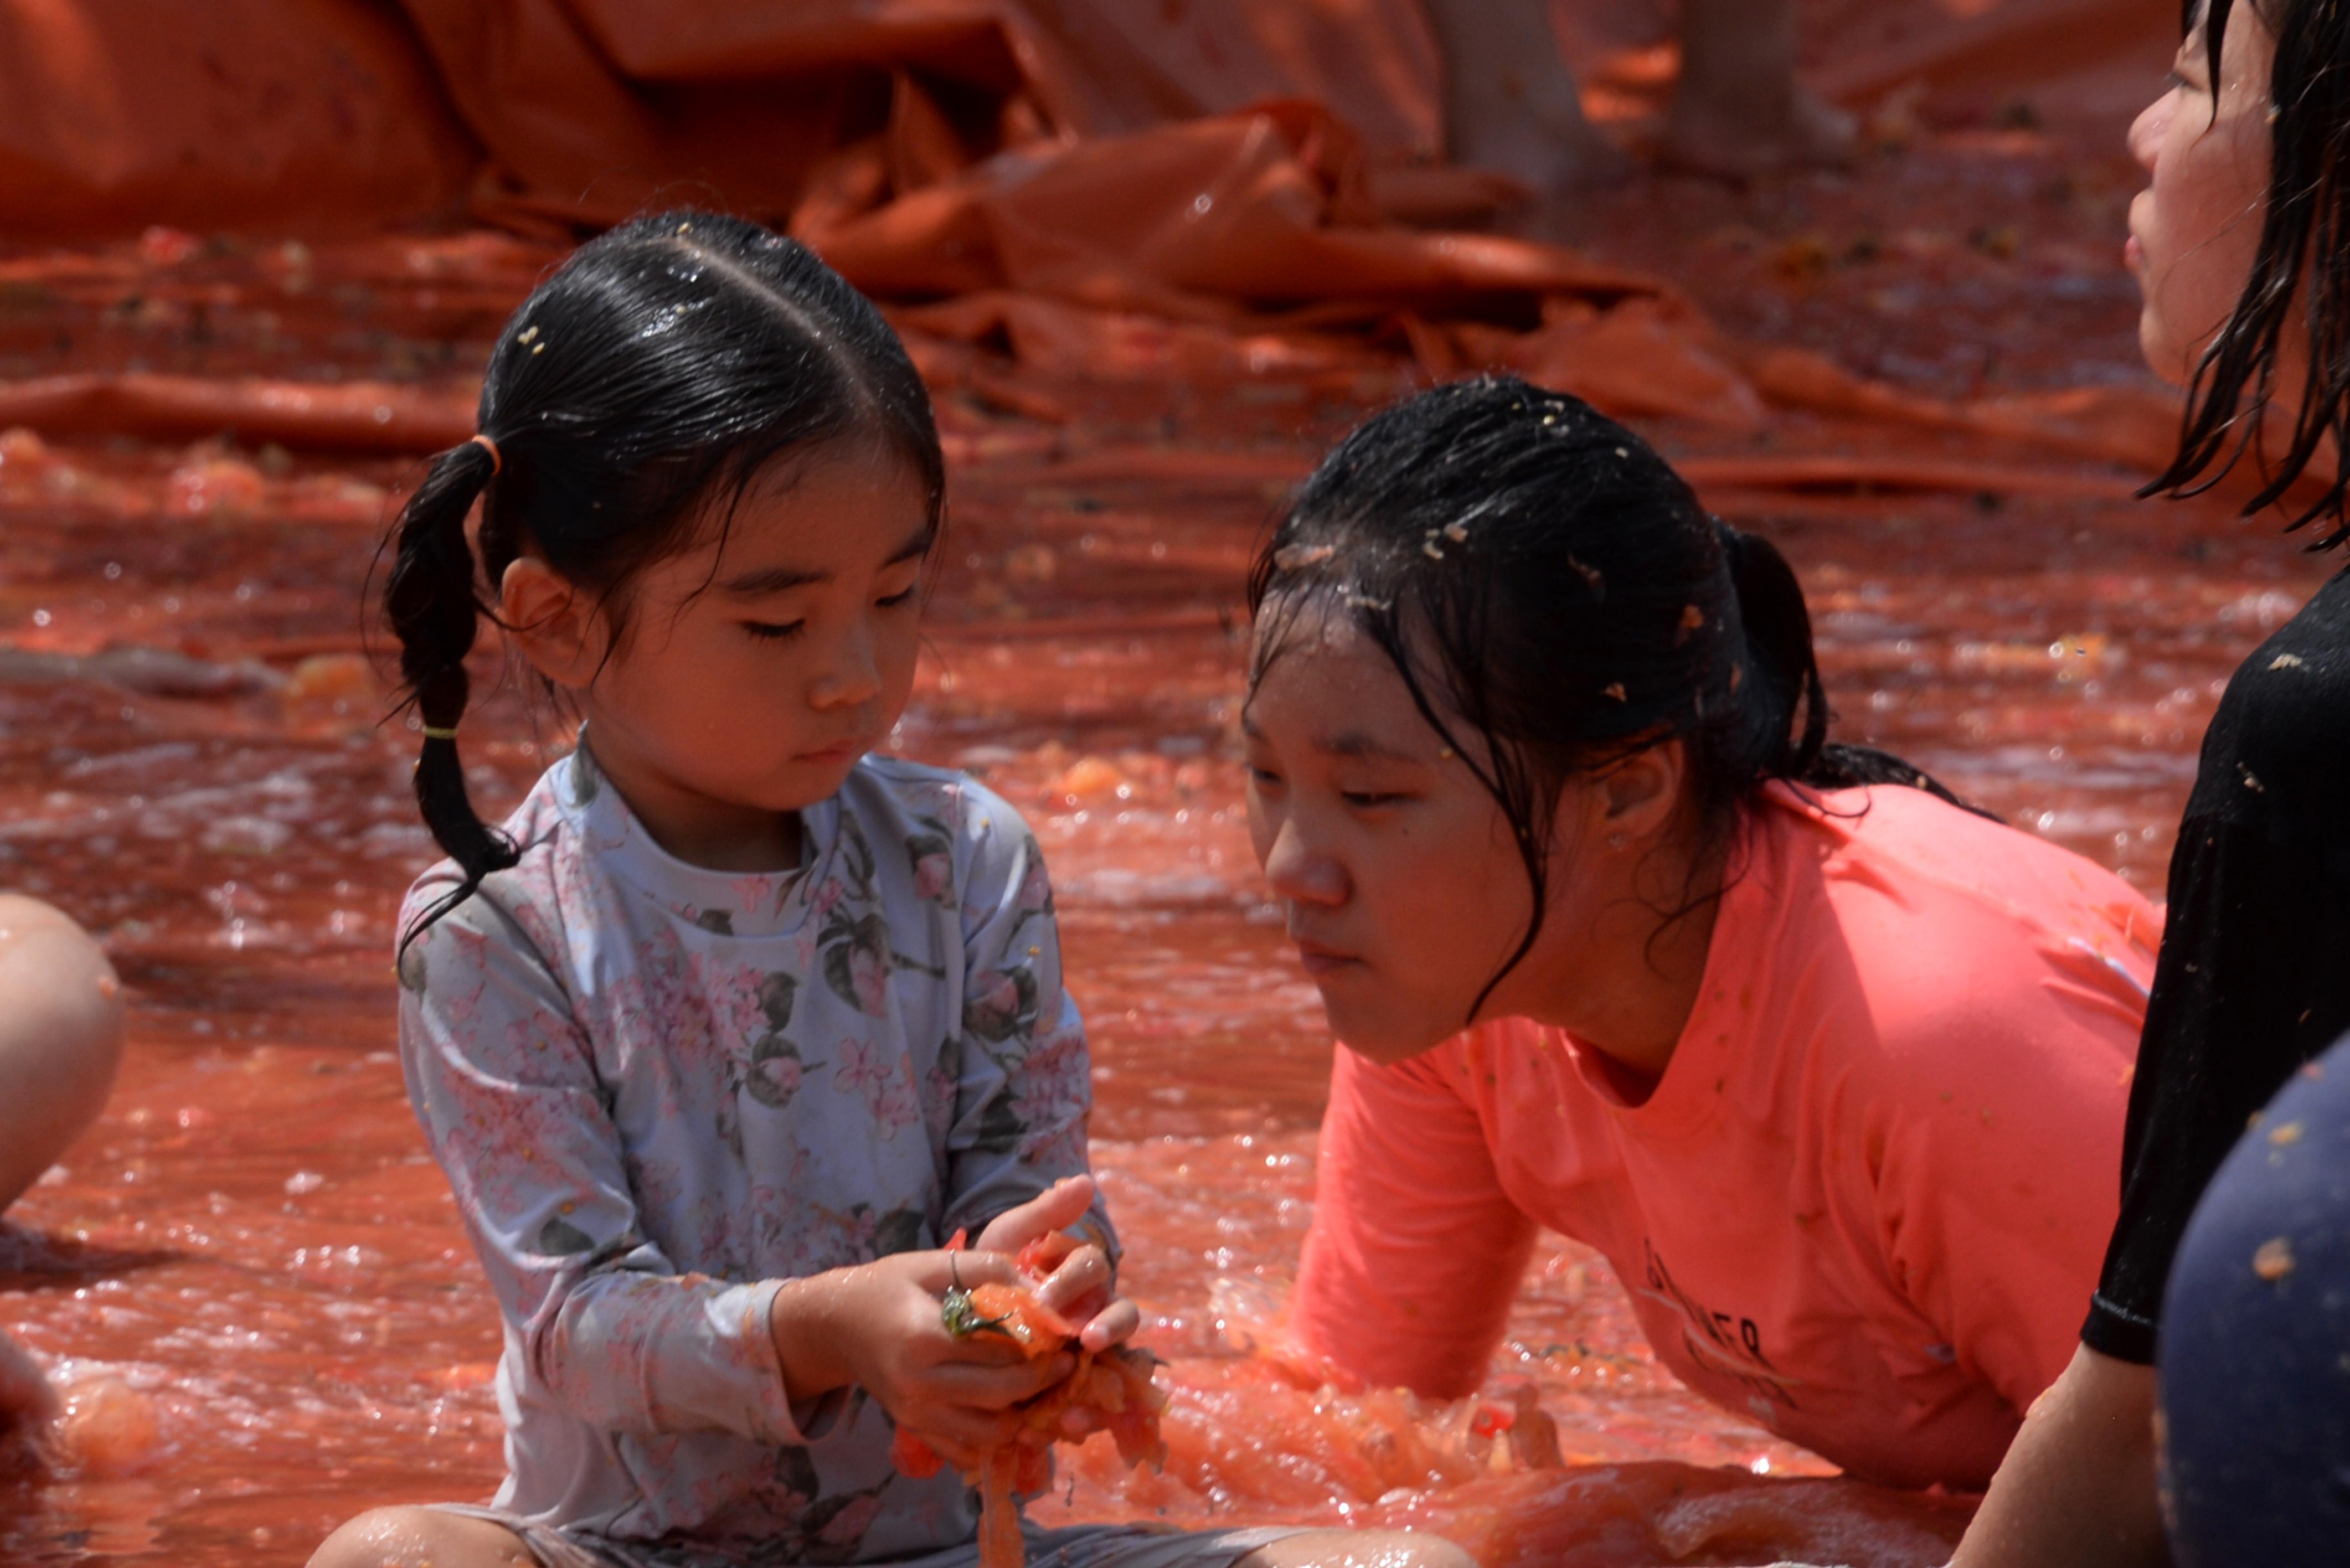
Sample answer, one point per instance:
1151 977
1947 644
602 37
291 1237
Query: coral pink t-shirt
1867 1201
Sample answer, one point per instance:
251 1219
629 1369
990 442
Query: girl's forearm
637 1351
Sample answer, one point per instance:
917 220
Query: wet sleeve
1024 1087
506 1088
1415 1252
2253 980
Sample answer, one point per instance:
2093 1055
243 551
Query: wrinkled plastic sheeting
595 109
270 115
1128 188
292 113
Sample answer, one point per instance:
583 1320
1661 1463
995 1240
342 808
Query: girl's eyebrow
777 579
916 546
1357 745
773 580
1354 744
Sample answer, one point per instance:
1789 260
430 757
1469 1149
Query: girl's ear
1639 798
559 630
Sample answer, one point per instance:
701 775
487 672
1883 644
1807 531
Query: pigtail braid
429 599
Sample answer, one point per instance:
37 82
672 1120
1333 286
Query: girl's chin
2159 360
1370 1032
2160 349
799 782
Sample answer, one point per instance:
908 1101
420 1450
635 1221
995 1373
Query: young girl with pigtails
733 1026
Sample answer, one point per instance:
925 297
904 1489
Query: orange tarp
1153 187
598 106
227 114
294 113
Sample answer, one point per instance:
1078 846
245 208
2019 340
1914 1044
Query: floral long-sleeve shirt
659 1091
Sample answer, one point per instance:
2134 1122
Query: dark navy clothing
2254 975
2255 1361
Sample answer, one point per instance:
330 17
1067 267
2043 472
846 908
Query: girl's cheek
1260 825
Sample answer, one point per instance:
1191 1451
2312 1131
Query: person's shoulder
2302 667
510 904
943 798
2281 735
1958 933
1912 858
947 819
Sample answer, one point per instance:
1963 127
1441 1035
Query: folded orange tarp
289 114
1121 187
1266 210
595 109
229 114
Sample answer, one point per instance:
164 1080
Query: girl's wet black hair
2304 254
1540 576
662 367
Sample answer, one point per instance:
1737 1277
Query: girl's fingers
977 1350
995 1387
1113 1325
1057 1208
963 1437
939 1272
1086 1272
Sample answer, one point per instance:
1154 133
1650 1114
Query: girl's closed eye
1371 800
773 631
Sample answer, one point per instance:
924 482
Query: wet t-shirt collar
731 903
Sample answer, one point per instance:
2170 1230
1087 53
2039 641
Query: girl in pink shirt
1830 1067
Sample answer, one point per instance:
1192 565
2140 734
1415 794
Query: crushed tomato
1115 1384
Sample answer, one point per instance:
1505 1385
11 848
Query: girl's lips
842 753
2132 252
1321 961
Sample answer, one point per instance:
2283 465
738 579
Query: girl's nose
850 678
2147 132
1299 873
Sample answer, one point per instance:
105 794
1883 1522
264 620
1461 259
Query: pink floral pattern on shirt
658 1090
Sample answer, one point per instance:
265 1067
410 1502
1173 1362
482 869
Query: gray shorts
1071 1546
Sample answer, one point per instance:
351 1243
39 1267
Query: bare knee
419 1537
1360 1549
60 1038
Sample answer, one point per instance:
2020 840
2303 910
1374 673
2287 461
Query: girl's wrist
805 1323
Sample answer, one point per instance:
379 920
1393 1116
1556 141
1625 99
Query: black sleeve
2253 980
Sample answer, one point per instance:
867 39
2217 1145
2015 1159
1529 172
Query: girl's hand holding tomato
1078 1279
880 1326
1058 1298
883 1326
